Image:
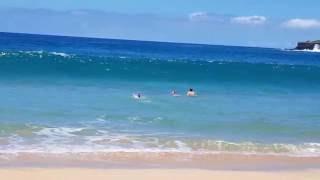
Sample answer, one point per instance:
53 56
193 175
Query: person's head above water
191 92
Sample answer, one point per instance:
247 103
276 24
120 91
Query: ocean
69 95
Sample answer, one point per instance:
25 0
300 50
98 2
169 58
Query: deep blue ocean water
68 94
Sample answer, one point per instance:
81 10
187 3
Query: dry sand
150 174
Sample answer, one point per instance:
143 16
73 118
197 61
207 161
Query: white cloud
250 20
302 23
198 16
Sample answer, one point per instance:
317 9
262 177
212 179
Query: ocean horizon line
136 40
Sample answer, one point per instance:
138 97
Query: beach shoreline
143 160
156 174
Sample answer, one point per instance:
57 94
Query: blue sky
230 22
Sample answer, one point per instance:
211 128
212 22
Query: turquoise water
65 95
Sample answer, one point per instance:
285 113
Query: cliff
307 45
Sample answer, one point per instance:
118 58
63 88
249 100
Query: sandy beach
155 174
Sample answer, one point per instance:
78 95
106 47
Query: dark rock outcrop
307 45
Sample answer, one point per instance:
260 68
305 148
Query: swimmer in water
191 92
174 93
137 96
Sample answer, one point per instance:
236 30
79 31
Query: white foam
308 50
41 53
182 146
66 140
60 54
61 131
316 49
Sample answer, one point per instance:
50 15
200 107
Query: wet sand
147 174
145 160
